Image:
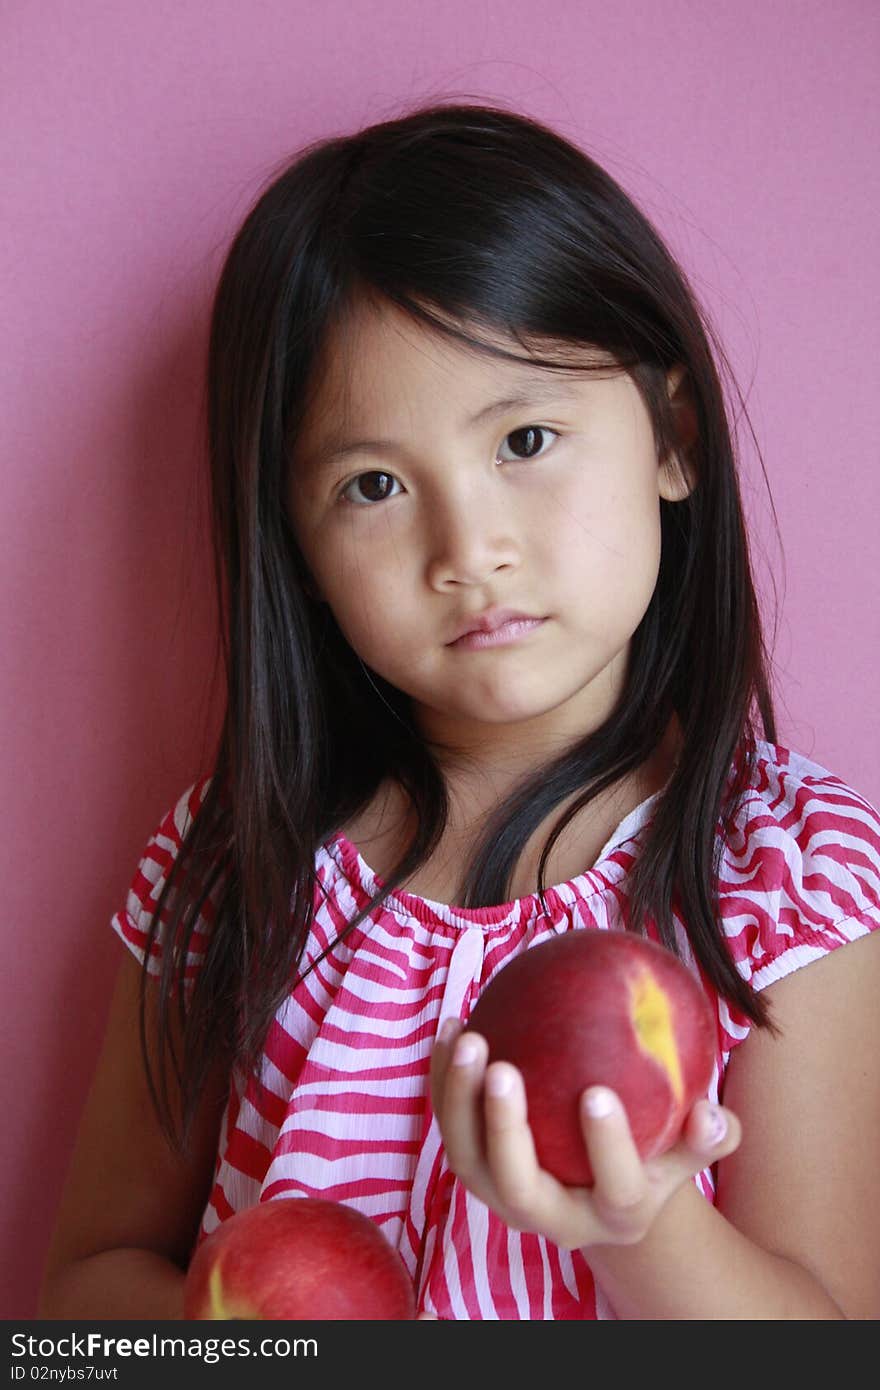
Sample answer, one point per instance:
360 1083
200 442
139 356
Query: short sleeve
801 877
132 922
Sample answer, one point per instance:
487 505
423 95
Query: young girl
495 667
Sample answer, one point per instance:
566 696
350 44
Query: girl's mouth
512 631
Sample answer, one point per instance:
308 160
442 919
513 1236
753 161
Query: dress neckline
607 870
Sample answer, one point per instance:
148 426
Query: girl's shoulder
132 922
799 870
809 811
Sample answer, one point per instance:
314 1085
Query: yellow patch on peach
652 1019
224 1310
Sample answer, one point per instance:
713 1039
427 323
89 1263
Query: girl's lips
511 631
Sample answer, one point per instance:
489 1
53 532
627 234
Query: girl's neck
385 827
474 792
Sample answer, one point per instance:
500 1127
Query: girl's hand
481 1112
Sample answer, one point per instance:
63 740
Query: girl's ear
677 473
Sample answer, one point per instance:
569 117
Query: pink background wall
135 137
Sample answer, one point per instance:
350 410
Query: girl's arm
796 1232
131 1208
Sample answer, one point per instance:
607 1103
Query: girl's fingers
711 1132
458 1107
440 1056
510 1149
619 1177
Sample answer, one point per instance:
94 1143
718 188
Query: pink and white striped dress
340 1107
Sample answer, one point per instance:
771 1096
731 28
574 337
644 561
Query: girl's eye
376 491
379 485
528 433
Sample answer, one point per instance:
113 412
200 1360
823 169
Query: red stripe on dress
247 1155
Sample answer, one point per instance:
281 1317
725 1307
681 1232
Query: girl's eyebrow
537 391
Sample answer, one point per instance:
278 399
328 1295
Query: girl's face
422 494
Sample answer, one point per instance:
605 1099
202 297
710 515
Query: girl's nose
469 540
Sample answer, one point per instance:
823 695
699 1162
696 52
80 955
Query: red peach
600 1008
298 1259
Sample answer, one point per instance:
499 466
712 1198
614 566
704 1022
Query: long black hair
457 214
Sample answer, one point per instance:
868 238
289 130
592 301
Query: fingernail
599 1103
448 1029
499 1083
717 1125
465 1052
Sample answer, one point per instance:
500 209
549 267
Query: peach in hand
600 1008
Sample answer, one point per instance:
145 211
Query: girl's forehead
377 347
454 336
